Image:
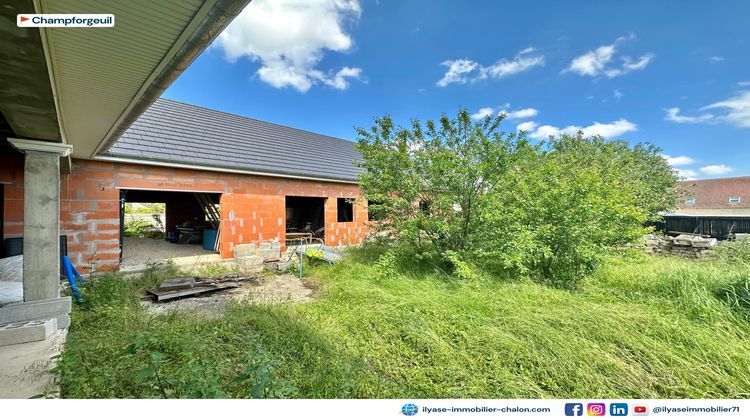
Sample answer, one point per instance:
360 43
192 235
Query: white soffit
100 72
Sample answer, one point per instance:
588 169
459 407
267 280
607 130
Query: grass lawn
642 327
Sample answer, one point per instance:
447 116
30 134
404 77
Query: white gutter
214 169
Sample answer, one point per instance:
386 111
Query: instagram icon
596 409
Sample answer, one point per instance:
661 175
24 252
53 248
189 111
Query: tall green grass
641 327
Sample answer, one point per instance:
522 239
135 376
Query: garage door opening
157 226
305 218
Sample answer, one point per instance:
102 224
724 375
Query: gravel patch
138 251
278 289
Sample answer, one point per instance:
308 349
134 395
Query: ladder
208 209
211 214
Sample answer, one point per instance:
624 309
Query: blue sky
672 73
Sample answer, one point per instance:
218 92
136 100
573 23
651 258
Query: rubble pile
688 246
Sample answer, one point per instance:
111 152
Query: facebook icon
618 409
573 409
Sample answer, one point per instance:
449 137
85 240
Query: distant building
716 207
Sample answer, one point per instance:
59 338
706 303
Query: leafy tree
571 202
426 182
462 190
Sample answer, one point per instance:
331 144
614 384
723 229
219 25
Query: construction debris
251 258
192 286
688 246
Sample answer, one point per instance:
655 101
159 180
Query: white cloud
737 109
744 83
673 114
521 113
613 129
527 126
457 71
482 113
716 59
618 94
687 174
520 63
465 70
603 61
716 169
289 39
512 115
592 63
678 160
339 81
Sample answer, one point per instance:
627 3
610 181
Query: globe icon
409 409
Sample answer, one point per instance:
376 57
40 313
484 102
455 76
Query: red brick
81 205
108 206
90 196
91 237
107 226
77 248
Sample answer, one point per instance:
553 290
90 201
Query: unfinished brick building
266 180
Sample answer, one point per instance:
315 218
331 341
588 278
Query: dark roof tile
176 132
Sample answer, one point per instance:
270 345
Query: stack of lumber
192 286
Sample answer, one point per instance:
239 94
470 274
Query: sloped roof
715 193
180 133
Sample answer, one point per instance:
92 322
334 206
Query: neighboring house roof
173 132
738 212
698 196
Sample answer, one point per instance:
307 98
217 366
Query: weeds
641 327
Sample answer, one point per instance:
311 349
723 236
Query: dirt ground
273 290
136 251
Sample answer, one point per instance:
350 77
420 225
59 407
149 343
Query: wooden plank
161 296
178 283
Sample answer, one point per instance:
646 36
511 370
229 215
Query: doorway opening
157 226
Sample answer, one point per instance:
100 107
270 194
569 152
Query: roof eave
213 17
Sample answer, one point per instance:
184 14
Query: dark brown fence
715 226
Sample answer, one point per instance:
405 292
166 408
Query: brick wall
252 207
11 175
90 215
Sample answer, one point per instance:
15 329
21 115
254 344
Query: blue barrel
209 239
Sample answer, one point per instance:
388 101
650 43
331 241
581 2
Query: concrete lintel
28 145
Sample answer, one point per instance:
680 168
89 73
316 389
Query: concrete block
265 245
27 331
276 246
283 266
63 321
244 250
250 264
35 309
268 254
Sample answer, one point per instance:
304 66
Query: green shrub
136 228
459 190
733 251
